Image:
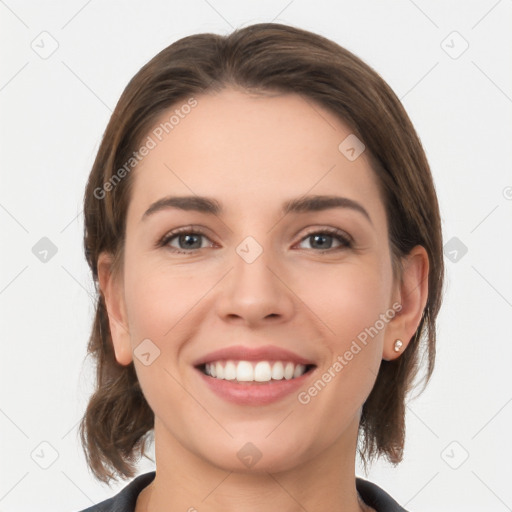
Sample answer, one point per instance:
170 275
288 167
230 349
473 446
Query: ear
112 290
412 294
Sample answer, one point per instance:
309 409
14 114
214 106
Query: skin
251 153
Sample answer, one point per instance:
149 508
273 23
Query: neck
186 482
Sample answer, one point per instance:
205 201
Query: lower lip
254 393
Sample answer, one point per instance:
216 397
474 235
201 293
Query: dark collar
126 499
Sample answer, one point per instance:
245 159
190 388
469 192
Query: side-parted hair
262 58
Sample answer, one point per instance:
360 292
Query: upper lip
244 353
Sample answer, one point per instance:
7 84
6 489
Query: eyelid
191 229
330 231
347 240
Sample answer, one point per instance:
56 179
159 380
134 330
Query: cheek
157 297
349 301
157 303
346 298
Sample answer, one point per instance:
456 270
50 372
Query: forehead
250 150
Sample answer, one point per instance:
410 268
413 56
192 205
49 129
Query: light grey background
54 109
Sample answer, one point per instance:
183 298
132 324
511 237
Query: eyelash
345 241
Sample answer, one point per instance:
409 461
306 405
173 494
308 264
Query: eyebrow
211 206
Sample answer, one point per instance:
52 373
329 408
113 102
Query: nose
255 293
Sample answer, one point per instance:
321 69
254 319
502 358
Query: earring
398 345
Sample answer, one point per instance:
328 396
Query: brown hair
260 58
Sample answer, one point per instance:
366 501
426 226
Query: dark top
126 499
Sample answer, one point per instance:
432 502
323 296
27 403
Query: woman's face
253 281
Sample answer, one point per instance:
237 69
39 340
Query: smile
254 375
255 371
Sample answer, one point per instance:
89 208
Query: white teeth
244 372
278 371
299 370
230 371
219 370
262 371
288 371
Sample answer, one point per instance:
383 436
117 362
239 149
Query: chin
255 454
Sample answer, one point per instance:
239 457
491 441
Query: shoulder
126 499
376 497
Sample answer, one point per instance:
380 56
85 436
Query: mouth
254 376
254 371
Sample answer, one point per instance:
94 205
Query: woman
263 228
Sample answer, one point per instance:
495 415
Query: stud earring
398 345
